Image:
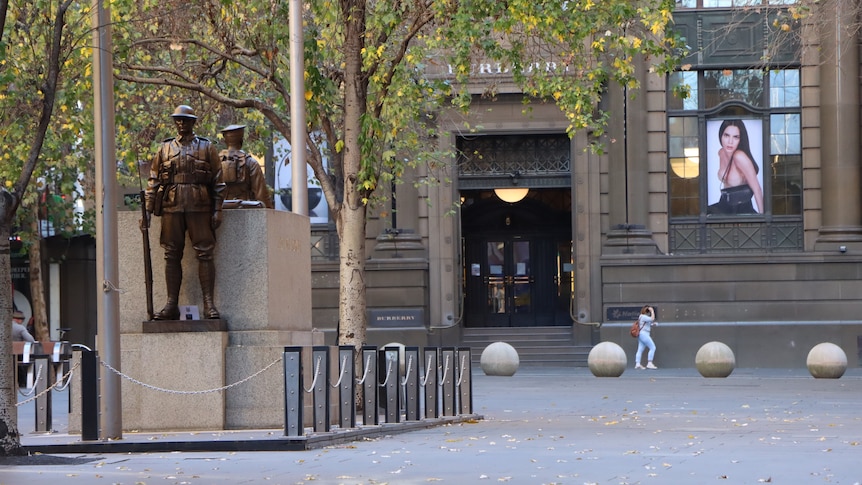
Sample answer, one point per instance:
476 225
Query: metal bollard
320 391
465 381
448 380
293 391
391 386
347 386
411 384
369 386
89 395
43 401
432 404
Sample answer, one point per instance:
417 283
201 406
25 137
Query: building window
735 160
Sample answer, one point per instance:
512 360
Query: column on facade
839 129
628 170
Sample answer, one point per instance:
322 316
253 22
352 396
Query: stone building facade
598 236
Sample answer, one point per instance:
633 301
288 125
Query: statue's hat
184 111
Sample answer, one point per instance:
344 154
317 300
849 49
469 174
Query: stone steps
536 346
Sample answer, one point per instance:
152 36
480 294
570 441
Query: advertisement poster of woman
734 157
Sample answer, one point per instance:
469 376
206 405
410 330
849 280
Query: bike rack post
411 384
89 395
465 384
320 392
392 404
449 368
293 391
43 401
347 386
432 405
369 386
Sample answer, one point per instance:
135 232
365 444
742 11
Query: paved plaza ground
541 426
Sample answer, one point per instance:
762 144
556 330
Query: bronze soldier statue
241 173
184 188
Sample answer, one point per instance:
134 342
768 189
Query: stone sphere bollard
499 359
402 365
607 359
827 361
715 359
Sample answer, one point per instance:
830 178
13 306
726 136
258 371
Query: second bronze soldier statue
241 173
184 188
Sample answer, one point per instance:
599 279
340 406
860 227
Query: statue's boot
206 273
173 280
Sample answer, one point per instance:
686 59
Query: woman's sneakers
650 365
639 367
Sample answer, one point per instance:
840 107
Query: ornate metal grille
736 238
324 244
508 154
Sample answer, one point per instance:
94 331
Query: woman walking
646 320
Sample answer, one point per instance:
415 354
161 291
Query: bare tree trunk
10 439
37 284
350 218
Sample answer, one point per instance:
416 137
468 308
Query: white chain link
316 373
388 373
31 390
427 370
343 371
445 371
365 372
407 373
463 366
66 378
169 391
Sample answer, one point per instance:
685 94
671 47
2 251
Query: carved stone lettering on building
396 317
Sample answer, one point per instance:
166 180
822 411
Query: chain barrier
445 371
463 368
367 368
427 371
343 371
388 373
169 391
407 373
66 377
316 374
31 390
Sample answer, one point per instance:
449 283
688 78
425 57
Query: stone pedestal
263 293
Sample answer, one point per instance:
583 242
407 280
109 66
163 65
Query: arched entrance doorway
518 268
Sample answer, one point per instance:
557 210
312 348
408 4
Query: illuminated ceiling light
512 195
687 167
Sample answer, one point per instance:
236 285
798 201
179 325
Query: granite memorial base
263 293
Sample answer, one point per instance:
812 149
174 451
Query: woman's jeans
645 340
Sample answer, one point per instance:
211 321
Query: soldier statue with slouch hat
184 189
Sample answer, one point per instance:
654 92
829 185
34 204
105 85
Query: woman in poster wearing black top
737 172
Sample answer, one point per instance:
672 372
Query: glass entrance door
508 282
